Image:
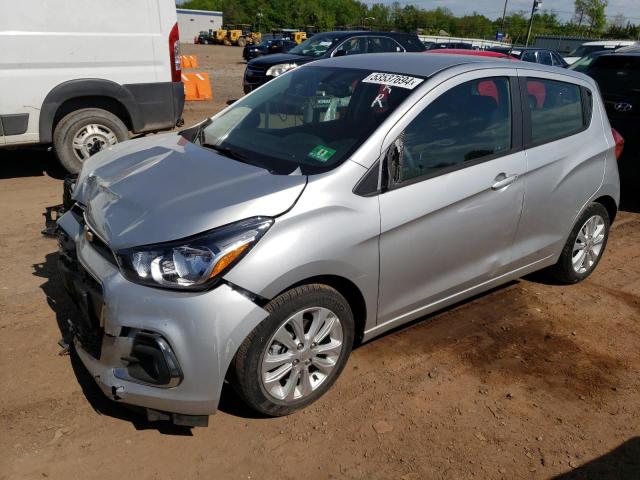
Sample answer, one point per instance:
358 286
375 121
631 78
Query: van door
448 222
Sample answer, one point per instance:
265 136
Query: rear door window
529 57
556 109
470 122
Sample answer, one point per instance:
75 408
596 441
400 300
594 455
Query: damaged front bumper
164 350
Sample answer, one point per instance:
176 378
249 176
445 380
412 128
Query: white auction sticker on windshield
394 80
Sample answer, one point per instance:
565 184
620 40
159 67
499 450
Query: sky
493 8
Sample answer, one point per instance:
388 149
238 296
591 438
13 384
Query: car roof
356 33
463 51
422 65
610 42
622 54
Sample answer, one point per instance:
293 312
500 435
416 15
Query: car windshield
315 46
587 49
583 64
309 120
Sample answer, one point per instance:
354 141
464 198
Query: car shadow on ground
30 162
621 463
65 310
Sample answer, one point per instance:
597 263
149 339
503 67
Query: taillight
174 54
619 142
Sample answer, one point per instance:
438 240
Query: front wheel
294 356
584 247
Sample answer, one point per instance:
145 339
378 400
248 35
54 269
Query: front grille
256 70
85 292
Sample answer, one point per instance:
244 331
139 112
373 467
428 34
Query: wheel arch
349 291
610 204
87 93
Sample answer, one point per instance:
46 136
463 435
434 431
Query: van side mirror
340 53
392 164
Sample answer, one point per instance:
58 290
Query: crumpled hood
163 188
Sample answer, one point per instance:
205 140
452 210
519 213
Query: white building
192 22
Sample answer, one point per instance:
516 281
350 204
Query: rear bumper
203 330
159 105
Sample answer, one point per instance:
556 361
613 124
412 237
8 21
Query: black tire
245 373
563 271
67 128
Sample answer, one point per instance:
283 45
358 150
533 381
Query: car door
448 223
566 152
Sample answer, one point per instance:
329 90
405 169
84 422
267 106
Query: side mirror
392 164
339 53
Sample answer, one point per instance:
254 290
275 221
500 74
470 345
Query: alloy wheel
302 354
588 245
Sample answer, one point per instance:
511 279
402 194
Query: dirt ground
528 381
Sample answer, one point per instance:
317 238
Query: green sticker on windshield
321 153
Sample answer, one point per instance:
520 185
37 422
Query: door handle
503 181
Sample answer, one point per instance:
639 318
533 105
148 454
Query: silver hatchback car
336 202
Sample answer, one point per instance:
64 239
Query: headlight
280 69
194 263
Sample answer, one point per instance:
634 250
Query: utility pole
534 8
504 14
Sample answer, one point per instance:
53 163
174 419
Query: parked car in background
326 45
533 55
590 47
84 86
477 53
618 76
584 63
448 45
268 47
417 166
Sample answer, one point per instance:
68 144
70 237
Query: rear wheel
242 42
584 247
85 132
293 357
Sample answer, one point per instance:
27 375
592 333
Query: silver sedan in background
334 203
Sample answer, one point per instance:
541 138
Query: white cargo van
82 74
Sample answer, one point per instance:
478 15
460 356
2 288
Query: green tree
591 11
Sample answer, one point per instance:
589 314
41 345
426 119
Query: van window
469 122
556 109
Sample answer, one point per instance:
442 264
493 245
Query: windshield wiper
227 152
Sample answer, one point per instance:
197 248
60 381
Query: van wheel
84 132
293 357
584 247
